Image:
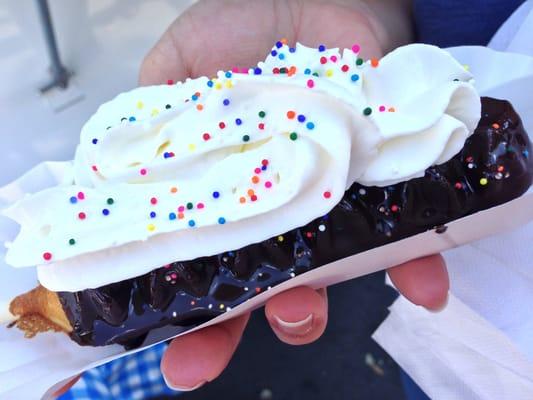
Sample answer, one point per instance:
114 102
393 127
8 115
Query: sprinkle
73 199
210 83
280 238
82 215
173 189
250 192
190 206
170 82
171 216
226 102
246 138
301 118
95 141
110 201
257 71
181 215
257 170
367 111
191 147
132 119
329 73
238 121
327 195
323 60
216 195
291 114
154 112
253 198
242 200
140 105
264 162
150 227
206 136
81 196
310 83
394 208
153 200
221 220
359 61
293 136
345 68
321 48
333 58
382 108
279 44
47 256
105 211
374 62
255 179
362 191
181 208
221 125
496 126
168 106
191 223
458 185
268 184
392 109
281 56
143 171
307 71
199 107
483 181
292 50
153 214
261 114
228 74
263 168
310 125
354 78
94 168
261 126
356 48
72 242
321 227
200 206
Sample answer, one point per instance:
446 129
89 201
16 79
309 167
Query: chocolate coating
495 166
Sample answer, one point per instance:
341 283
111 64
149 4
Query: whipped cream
174 172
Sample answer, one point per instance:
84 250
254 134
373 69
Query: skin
214 35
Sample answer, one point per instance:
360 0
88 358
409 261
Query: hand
222 34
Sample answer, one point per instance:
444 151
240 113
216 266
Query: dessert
238 183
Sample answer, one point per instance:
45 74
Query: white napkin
481 345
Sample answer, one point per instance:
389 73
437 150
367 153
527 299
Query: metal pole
60 75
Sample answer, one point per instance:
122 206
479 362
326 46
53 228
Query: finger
67 387
206 38
197 358
424 281
298 316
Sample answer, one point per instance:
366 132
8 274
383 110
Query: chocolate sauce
495 166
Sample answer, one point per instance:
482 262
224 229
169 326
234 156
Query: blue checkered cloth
135 377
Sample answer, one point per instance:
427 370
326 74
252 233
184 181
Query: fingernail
442 307
183 388
298 328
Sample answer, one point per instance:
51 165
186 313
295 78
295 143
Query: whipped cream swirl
175 172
